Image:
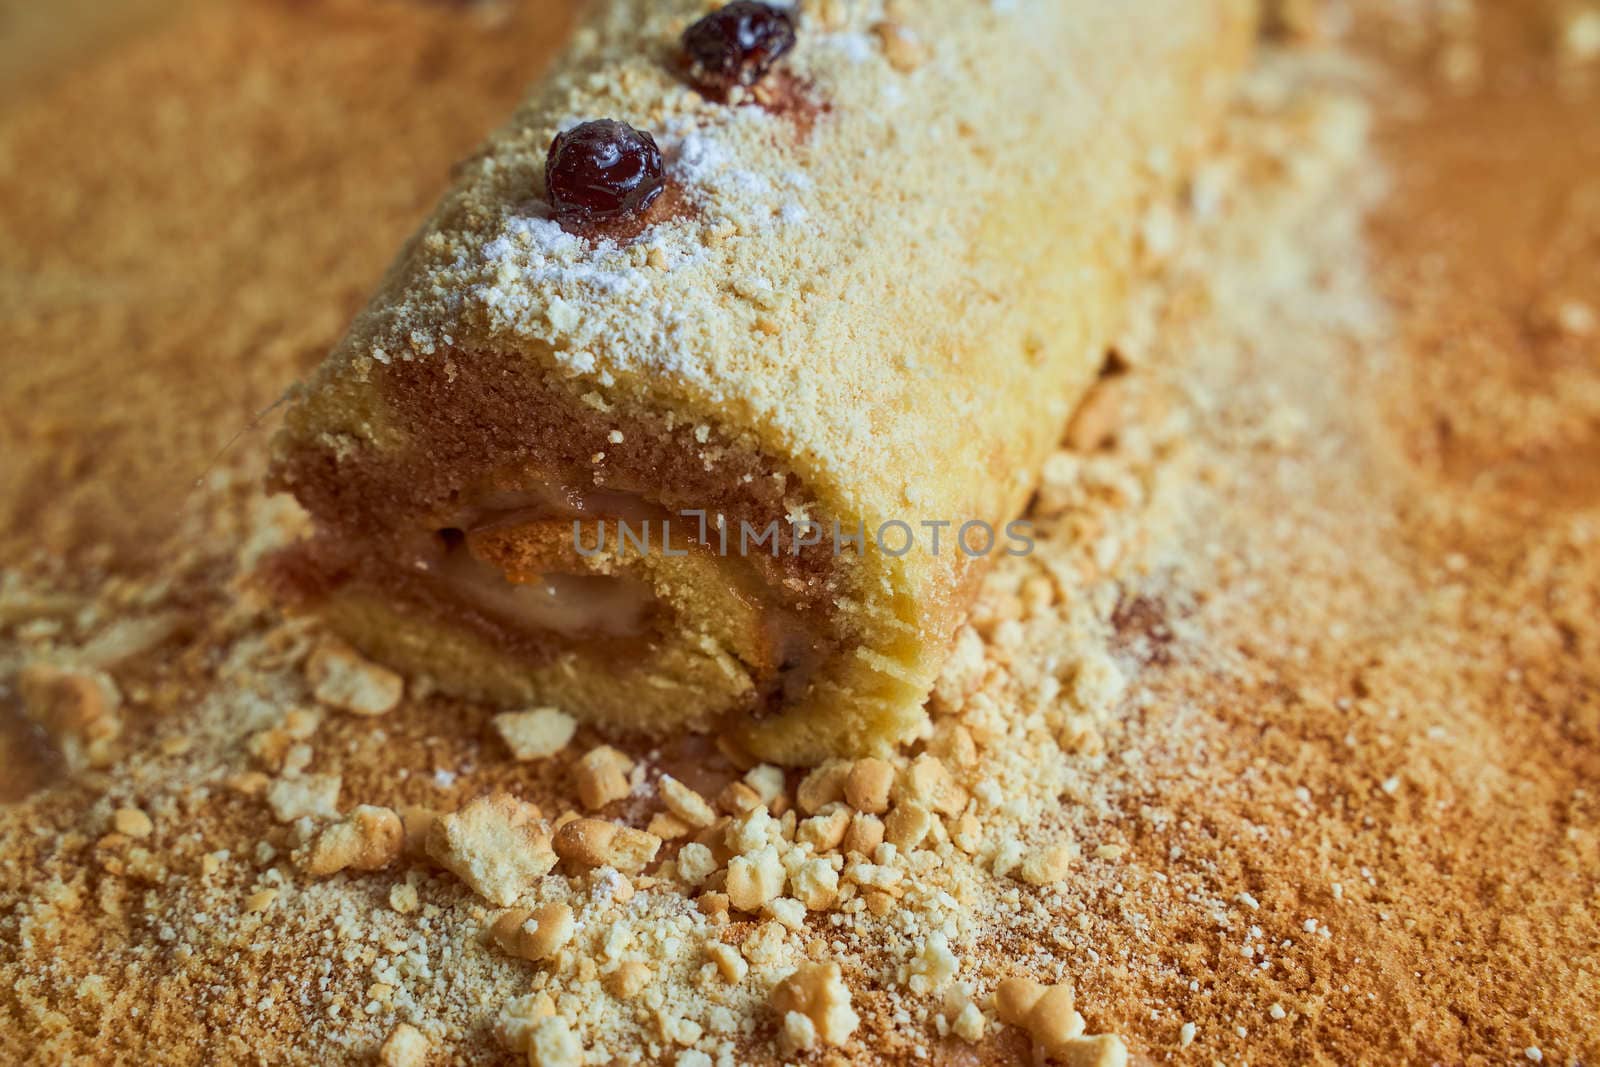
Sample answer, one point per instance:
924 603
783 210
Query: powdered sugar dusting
537 281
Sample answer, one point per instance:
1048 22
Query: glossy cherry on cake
737 44
602 170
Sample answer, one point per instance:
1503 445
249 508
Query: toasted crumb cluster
343 679
601 777
497 845
406 1047
368 839
1046 1013
536 934
814 1007
535 734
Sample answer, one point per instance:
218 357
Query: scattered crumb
406 1047
368 839
341 678
132 822
535 734
314 796
601 777
497 844
813 1005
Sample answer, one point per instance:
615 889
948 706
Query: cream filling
578 606
573 605
570 605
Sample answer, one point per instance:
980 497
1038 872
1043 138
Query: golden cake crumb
497 844
589 843
260 900
901 46
667 827
770 785
815 883
342 678
864 835
553 1044
535 934
908 825
738 798
538 733
132 822
601 776
406 1046
696 863
823 785
866 787
369 838
825 831
813 1004
755 879
628 980
685 803
1048 1015
1042 866
314 796
928 781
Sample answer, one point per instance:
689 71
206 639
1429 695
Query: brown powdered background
1307 665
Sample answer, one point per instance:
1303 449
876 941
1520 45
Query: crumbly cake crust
814 288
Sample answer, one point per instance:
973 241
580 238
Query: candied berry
737 44
603 169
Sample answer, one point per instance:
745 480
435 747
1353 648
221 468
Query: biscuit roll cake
868 296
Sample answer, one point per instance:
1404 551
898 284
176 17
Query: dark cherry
737 44
602 170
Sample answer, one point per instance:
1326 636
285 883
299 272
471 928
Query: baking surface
1308 668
